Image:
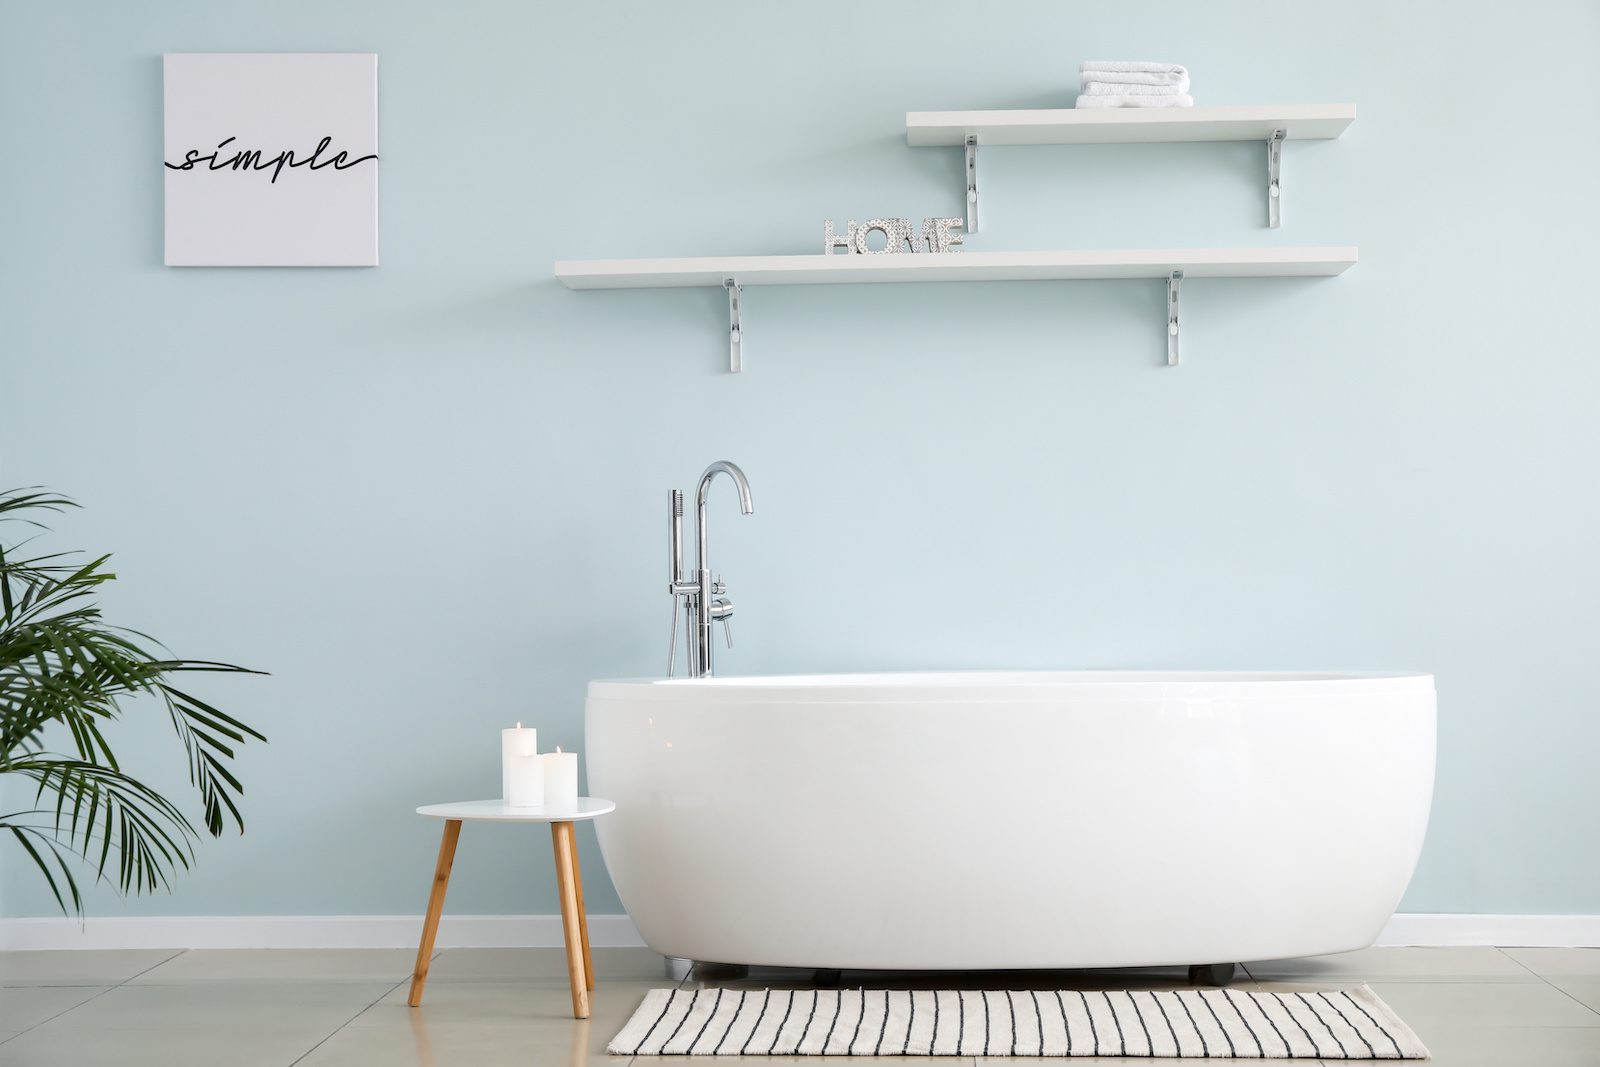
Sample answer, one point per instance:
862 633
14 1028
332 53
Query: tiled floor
487 1007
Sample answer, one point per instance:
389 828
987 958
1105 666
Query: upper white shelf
1127 125
955 267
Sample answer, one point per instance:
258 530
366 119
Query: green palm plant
64 675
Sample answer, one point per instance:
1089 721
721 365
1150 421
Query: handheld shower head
674 540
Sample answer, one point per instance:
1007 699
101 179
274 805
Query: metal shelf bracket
972 183
1174 280
1275 178
735 326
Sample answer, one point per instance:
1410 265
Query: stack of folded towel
1119 83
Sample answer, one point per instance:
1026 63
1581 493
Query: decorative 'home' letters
897 233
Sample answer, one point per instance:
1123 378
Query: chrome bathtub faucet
703 600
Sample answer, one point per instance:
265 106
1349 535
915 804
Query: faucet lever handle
721 611
717 588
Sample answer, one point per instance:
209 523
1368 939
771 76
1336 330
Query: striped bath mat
1341 1024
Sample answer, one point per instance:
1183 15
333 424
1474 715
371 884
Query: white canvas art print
271 160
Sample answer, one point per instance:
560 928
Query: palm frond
62 665
96 807
209 737
43 860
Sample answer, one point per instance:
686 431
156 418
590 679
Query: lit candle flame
558 750
519 724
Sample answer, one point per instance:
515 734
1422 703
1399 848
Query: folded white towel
1176 82
1164 100
1104 88
1171 74
1128 66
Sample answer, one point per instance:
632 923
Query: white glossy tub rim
1011 686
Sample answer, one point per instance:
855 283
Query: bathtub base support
1216 975
678 968
828 979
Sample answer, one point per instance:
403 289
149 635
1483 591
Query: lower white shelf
733 273
955 267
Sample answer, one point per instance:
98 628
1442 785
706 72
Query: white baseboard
617 931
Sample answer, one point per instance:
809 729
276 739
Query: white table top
500 811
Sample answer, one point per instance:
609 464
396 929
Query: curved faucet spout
739 480
705 602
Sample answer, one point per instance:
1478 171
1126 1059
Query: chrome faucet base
703 600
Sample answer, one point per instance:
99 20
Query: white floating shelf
954 267
1172 264
1128 125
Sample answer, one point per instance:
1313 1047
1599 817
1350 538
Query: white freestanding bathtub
1012 820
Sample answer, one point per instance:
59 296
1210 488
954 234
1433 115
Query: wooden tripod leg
563 839
430 924
583 908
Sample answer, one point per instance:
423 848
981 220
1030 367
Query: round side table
569 881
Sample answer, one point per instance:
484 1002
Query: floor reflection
419 1038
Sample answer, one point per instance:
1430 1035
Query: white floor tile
500 964
501 1004
1554 961
22 1007
78 966
1432 1008
1398 965
422 1042
1586 990
1531 1046
283 965
52 1045
222 1006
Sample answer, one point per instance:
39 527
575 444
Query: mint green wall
427 497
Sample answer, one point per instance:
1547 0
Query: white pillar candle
521 769
560 779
